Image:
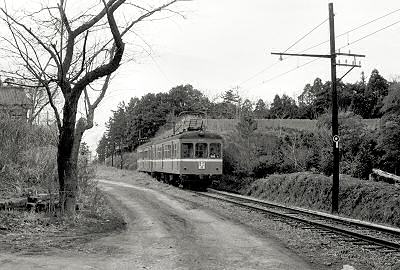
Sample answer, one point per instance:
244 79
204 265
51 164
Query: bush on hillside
366 200
288 150
232 183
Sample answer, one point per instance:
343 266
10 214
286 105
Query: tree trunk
121 155
67 160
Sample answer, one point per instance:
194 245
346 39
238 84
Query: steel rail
353 222
366 238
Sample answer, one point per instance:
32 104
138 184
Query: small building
13 102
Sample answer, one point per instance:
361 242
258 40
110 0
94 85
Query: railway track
366 234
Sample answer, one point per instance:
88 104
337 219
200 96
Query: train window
159 152
167 151
175 150
201 150
187 150
215 150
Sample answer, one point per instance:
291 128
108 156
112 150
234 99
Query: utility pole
335 122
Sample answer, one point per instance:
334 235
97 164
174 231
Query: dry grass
371 201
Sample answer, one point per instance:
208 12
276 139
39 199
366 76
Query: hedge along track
371 236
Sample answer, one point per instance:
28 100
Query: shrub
232 183
39 168
27 157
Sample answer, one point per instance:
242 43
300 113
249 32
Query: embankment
366 200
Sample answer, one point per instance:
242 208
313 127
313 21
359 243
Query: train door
177 156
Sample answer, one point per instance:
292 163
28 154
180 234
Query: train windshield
201 150
187 150
215 150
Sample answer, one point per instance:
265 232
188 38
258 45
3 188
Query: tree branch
33 35
110 67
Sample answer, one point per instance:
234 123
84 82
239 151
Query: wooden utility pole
335 122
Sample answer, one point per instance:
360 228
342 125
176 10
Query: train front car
191 159
200 159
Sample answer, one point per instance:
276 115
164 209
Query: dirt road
165 232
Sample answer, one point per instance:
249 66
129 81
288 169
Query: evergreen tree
377 90
261 111
389 135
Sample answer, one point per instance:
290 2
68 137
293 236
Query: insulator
345 61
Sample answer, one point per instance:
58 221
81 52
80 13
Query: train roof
186 135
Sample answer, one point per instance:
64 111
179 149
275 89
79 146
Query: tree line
132 123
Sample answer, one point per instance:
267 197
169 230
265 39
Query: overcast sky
227 43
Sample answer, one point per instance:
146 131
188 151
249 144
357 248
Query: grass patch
31 232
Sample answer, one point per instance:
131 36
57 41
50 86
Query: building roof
11 95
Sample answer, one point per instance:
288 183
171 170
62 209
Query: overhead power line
365 24
321 43
260 72
352 30
291 46
300 39
357 40
293 69
371 34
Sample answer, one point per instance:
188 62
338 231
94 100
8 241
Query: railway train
190 159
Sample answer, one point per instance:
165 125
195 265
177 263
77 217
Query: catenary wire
326 41
293 69
352 30
370 34
300 39
291 46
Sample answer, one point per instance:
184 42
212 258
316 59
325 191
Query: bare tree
84 50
